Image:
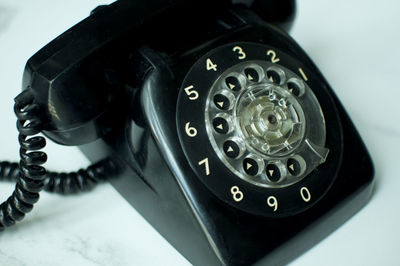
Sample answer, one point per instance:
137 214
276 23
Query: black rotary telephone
206 116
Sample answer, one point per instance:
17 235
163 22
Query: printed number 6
190 131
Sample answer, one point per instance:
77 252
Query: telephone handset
221 131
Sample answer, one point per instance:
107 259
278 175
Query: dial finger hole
234 83
296 165
233 148
275 75
296 87
275 171
221 125
224 100
252 166
221 102
254 73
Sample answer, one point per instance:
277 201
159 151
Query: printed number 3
239 50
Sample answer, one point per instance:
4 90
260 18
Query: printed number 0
190 131
236 193
242 55
305 194
272 202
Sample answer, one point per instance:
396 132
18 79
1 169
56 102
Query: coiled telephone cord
31 176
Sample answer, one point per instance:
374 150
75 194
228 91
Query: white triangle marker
291 167
231 86
271 79
248 166
230 149
249 77
220 126
221 104
271 172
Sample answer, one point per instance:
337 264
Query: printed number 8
236 193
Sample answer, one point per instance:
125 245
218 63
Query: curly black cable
31 173
31 176
81 181
66 183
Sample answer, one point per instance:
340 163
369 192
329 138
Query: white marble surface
356 44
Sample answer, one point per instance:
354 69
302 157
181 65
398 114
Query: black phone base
192 227
202 228
145 93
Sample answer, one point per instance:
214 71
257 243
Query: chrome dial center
265 124
270 119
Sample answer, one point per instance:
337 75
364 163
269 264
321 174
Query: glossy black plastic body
158 181
128 71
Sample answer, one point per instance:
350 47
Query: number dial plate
205 162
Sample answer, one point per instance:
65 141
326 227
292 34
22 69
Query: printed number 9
272 202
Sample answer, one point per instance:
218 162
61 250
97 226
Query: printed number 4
210 65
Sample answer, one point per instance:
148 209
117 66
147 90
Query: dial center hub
270 119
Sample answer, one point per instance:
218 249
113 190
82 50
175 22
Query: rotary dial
253 130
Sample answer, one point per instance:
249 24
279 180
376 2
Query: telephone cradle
207 117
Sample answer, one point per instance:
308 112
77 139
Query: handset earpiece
69 77
70 80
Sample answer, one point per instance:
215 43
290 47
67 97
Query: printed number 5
193 94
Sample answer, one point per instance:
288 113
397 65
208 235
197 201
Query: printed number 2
274 58
210 65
